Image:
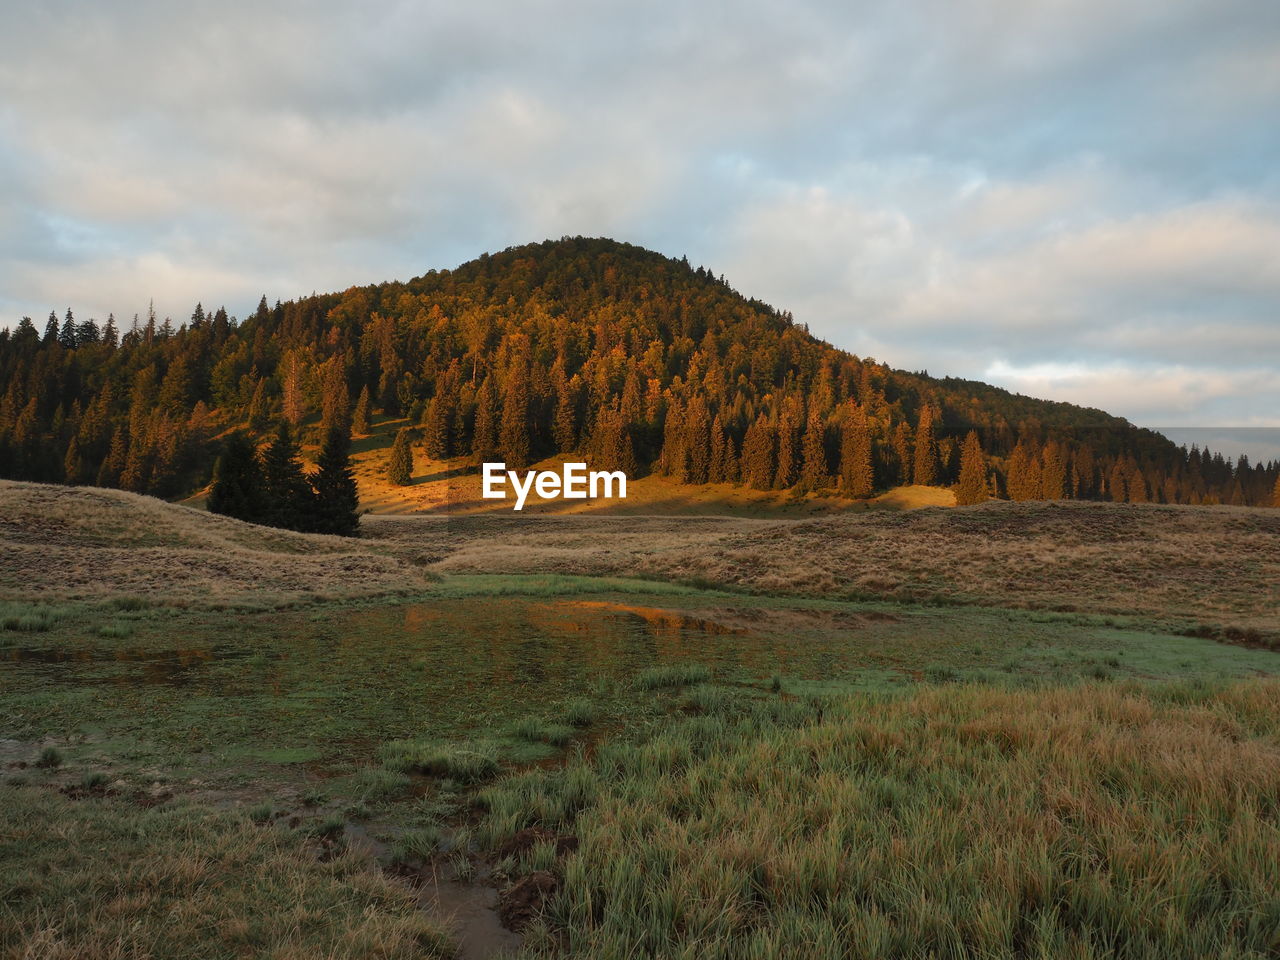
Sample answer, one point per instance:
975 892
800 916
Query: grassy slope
1087 822
90 542
454 486
1144 819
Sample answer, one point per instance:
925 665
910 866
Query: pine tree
857 477
400 465
237 488
67 335
337 499
972 487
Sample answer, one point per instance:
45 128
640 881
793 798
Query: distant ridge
637 360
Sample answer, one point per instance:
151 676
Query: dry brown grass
83 542
1216 565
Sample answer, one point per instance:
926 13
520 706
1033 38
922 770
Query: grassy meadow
632 737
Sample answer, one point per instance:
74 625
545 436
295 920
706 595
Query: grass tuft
466 762
674 675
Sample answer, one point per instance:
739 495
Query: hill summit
639 361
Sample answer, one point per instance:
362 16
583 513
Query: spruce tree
400 466
513 435
437 428
288 500
484 435
237 488
337 499
972 487
360 417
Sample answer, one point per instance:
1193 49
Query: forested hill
638 360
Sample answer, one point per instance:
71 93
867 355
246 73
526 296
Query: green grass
464 762
540 731
675 675
590 719
416 845
1090 821
30 617
580 713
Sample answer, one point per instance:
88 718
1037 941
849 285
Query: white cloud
940 185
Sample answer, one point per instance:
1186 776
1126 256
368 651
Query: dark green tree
360 417
237 488
337 500
400 464
288 499
513 438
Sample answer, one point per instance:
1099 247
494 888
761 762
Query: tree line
641 362
271 488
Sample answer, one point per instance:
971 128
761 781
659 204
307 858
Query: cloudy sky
1077 199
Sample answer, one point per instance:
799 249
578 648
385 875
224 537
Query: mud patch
522 902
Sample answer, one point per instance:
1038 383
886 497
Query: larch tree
972 487
857 473
925 472
788 449
813 448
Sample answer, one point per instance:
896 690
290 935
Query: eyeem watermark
572 483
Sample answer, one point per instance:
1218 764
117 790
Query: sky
1074 199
